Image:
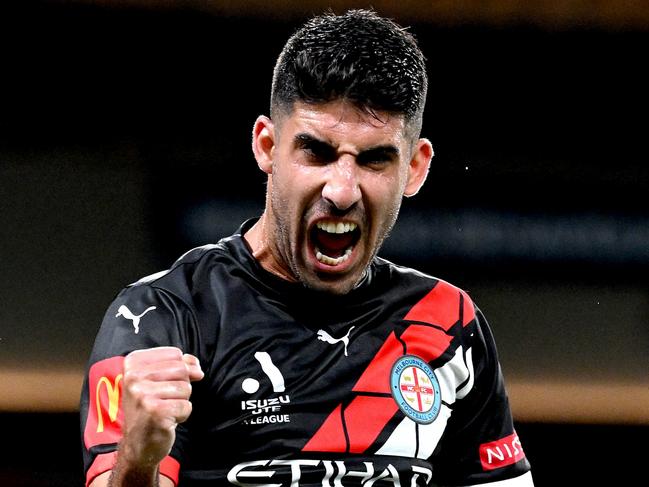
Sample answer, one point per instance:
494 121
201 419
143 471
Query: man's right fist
156 389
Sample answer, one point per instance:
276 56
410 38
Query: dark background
124 141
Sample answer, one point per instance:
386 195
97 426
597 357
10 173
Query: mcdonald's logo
113 400
103 425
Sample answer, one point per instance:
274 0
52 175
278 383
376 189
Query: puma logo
128 314
326 337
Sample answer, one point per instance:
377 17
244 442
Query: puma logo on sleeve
128 314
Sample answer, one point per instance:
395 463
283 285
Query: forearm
133 468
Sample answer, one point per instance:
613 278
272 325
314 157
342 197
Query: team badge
415 389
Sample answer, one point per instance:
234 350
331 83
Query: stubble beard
290 253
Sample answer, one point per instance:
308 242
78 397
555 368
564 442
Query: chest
272 362
284 381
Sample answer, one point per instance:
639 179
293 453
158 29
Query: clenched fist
156 388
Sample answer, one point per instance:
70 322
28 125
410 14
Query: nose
342 187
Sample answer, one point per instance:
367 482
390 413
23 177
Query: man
289 353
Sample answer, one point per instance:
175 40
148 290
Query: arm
156 391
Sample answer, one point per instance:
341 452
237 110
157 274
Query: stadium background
124 141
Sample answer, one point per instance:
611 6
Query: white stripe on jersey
469 367
452 374
402 440
430 434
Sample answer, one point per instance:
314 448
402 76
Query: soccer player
290 354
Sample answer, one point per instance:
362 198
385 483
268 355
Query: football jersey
395 383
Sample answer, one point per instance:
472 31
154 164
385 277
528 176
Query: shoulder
436 292
187 264
172 289
193 272
159 309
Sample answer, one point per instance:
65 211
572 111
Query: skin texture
361 168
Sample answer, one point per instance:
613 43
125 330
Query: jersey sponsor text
266 410
330 473
500 453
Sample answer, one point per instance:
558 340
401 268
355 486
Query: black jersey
396 383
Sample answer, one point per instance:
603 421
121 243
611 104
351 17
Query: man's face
337 179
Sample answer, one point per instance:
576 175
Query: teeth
325 259
335 228
331 227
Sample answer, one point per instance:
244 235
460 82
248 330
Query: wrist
134 457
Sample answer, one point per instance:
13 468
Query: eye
315 150
377 158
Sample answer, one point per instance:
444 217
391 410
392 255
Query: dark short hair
357 56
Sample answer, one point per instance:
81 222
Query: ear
263 143
418 167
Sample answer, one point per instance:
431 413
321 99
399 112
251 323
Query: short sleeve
140 317
480 444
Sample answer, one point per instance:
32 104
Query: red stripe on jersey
363 428
440 306
104 423
425 342
376 377
331 436
169 467
500 453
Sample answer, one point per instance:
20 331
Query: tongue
333 244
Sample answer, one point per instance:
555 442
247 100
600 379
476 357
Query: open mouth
334 241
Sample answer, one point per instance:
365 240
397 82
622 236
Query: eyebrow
387 151
307 140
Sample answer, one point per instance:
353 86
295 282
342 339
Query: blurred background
125 140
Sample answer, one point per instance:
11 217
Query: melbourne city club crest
415 388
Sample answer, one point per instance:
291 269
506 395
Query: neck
259 241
